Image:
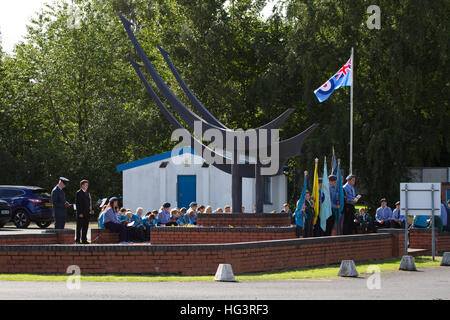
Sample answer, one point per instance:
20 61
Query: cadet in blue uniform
420 222
299 216
397 220
447 208
102 211
111 221
309 216
59 203
138 225
186 219
100 220
383 215
193 207
444 216
332 181
349 205
164 215
149 222
364 222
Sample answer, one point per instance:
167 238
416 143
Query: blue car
5 213
28 204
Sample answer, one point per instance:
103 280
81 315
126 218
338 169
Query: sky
16 14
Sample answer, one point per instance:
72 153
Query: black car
5 213
28 204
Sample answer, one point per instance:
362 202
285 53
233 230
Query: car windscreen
41 192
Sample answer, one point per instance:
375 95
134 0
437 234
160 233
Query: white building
180 177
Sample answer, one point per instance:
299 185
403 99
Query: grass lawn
305 273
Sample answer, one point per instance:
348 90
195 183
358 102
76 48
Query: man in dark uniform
84 209
60 204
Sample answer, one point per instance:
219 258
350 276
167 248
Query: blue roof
158 157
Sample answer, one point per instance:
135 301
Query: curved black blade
274 124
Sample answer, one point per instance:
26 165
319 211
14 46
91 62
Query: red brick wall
244 219
398 241
42 239
104 236
421 239
49 236
195 259
180 235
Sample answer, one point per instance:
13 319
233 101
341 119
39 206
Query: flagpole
351 114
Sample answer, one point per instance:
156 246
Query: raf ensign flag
340 79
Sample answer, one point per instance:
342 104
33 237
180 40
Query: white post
432 223
351 113
406 219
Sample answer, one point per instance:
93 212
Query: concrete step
418 252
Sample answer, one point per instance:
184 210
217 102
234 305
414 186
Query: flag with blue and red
341 79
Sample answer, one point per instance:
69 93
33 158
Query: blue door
186 190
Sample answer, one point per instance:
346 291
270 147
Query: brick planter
398 241
194 259
199 235
48 236
244 219
104 236
421 239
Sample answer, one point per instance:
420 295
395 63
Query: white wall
149 186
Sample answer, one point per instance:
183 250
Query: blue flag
298 211
341 79
333 164
325 205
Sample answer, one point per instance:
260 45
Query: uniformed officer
84 210
349 206
397 220
193 207
60 204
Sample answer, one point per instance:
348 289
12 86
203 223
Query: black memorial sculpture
287 148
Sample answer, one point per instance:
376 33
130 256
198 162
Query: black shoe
77 242
85 242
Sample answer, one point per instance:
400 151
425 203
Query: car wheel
21 219
43 225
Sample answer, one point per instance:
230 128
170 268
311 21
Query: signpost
415 200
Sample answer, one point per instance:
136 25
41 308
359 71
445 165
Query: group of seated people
386 218
135 227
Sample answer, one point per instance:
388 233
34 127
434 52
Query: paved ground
10 227
428 283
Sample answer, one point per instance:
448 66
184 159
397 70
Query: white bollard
224 273
348 269
445 259
407 264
